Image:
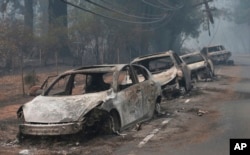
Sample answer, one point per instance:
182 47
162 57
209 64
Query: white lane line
152 134
165 122
187 100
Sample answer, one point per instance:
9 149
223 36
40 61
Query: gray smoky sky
235 37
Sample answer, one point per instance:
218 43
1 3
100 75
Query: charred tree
28 14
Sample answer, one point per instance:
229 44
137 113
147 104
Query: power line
145 15
169 6
153 5
116 19
119 12
162 24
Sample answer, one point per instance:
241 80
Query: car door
129 96
148 89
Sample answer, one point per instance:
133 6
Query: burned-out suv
169 70
218 54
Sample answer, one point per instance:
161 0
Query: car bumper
50 129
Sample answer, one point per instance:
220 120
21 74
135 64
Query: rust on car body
200 66
168 69
89 98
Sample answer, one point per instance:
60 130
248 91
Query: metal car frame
200 66
217 53
115 108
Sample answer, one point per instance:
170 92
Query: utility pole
208 11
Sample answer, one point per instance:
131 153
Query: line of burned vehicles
109 98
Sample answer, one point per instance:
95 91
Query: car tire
210 74
112 124
183 87
20 137
183 91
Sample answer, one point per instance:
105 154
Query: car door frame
129 111
185 70
149 92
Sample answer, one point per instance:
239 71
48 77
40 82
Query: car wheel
112 123
194 78
183 88
20 137
210 74
199 76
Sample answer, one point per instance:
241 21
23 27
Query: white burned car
218 54
200 66
169 70
92 98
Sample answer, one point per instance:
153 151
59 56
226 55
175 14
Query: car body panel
217 53
49 109
198 64
166 76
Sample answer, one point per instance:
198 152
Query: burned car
218 54
200 66
92 98
168 69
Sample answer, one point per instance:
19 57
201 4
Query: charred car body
218 54
200 66
92 98
168 69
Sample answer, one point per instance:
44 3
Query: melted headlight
20 115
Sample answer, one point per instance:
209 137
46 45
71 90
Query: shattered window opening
193 59
141 73
215 48
125 79
96 83
158 64
80 83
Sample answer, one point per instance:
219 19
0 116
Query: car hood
166 76
197 65
54 109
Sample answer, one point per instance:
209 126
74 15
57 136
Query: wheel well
114 113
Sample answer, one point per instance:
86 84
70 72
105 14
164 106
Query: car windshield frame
190 59
157 64
71 83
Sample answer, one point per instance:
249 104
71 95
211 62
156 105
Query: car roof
190 54
154 55
96 69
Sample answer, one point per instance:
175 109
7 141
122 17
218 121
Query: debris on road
201 112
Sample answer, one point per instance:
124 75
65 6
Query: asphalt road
233 121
